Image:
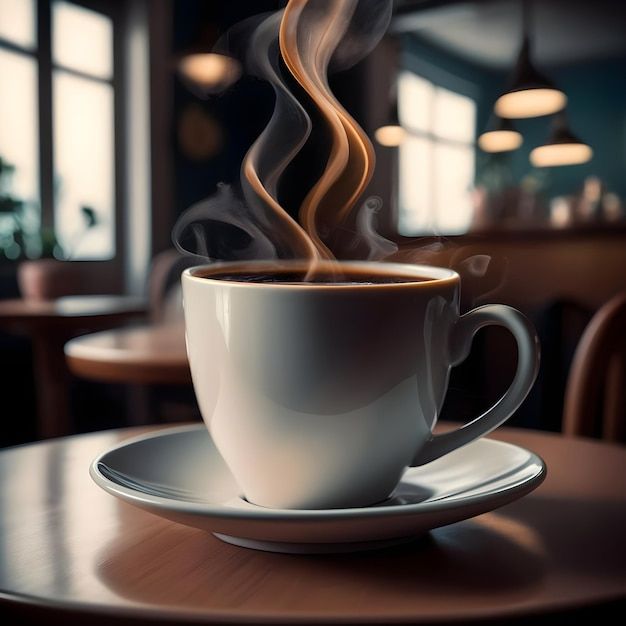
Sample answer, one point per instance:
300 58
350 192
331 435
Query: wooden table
74 554
140 355
50 324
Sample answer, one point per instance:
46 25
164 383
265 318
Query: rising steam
311 37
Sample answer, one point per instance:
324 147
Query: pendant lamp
500 136
391 134
204 69
530 93
562 148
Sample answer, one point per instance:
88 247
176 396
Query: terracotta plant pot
47 279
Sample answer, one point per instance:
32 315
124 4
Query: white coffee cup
321 395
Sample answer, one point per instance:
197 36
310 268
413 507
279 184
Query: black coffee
340 277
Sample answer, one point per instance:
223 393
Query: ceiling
488 32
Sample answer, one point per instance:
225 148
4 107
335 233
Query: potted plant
43 272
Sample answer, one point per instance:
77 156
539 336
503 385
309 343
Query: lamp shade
500 136
530 94
206 73
562 148
391 134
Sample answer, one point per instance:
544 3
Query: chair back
595 396
164 289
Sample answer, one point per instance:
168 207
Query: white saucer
178 474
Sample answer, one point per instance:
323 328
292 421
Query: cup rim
436 276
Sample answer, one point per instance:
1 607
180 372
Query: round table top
70 309
68 546
144 355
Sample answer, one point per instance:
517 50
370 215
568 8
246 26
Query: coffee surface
340 277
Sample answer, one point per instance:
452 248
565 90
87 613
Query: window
57 130
19 134
436 160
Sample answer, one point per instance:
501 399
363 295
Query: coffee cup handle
527 367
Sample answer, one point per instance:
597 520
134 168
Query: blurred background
500 133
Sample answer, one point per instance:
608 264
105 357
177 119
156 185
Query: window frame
42 55
433 140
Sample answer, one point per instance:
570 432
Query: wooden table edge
176 615
126 371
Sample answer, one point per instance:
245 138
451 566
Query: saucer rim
222 511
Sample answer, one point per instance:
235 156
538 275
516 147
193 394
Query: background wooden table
49 324
73 553
152 354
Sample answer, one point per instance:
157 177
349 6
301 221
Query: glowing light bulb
209 72
532 102
390 136
552 155
500 141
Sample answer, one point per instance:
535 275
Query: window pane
83 163
454 176
415 186
455 116
82 39
17 22
18 145
415 99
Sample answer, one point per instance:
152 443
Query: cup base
402 494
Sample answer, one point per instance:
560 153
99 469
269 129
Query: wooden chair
166 403
595 396
164 288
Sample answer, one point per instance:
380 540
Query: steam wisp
311 37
